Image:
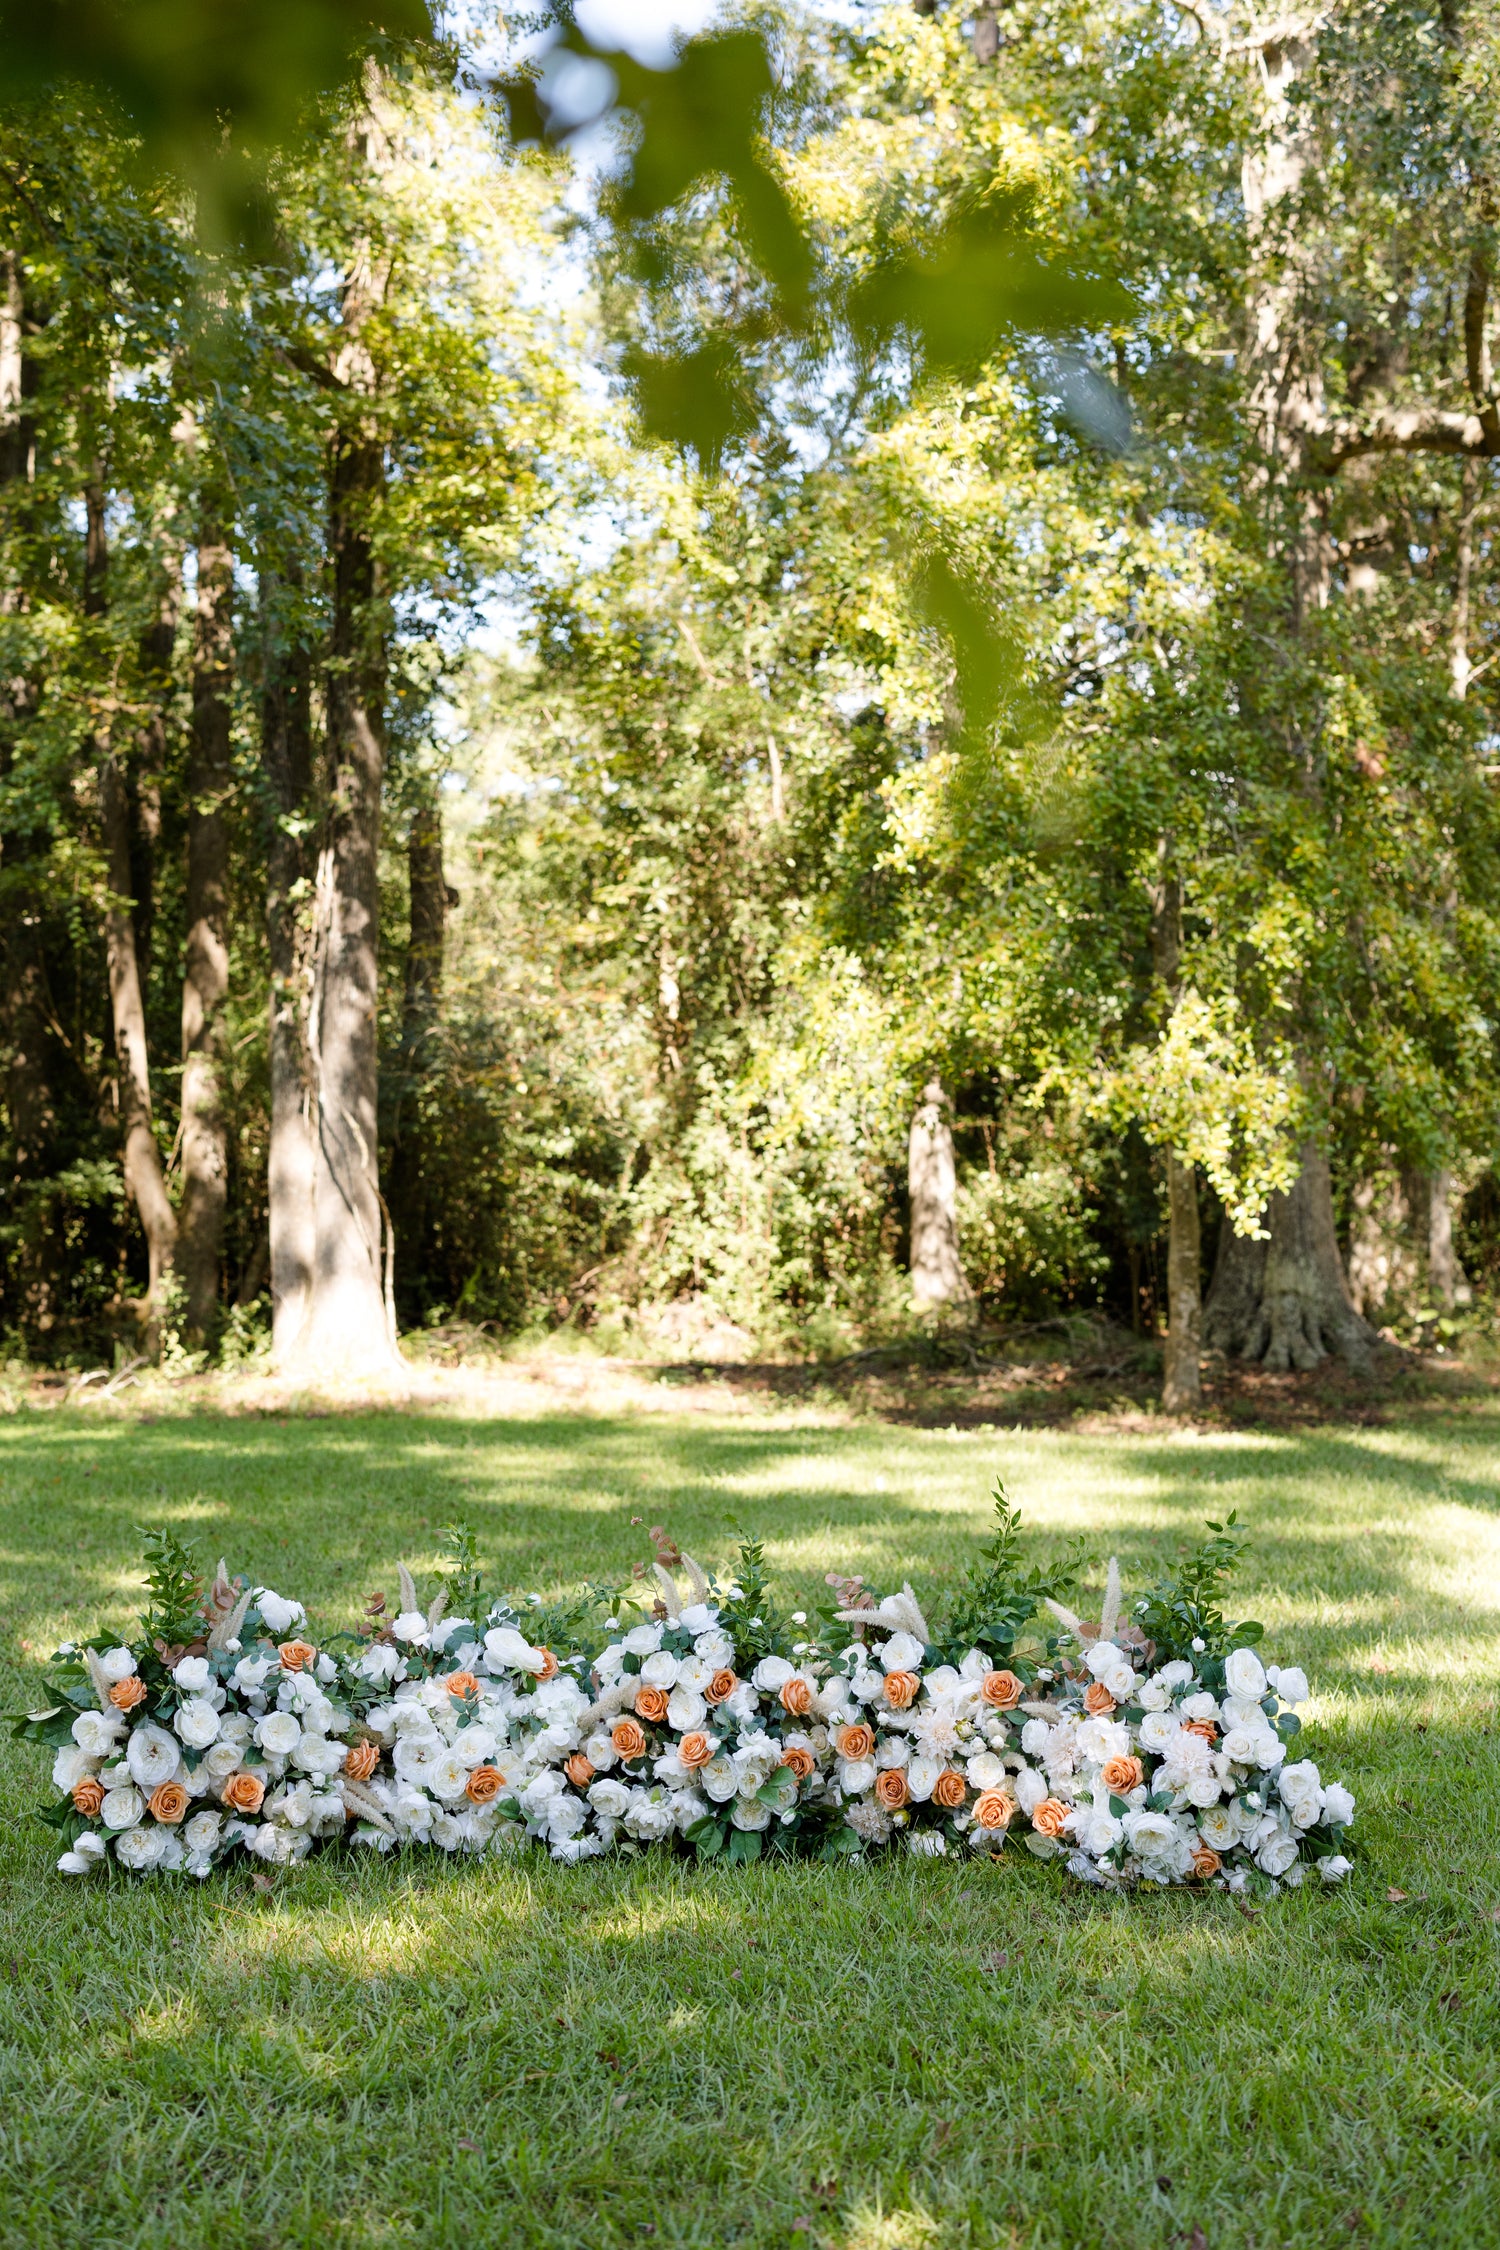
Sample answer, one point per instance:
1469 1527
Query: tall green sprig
1182 1614
998 1599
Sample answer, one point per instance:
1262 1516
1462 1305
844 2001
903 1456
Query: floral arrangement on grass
1148 1749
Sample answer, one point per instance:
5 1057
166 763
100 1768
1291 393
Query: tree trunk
286 753
428 924
205 984
1182 1380
937 1275
145 1181
1284 1302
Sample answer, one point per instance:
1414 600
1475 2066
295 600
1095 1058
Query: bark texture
1182 1379
937 1275
1284 1301
287 759
205 984
430 899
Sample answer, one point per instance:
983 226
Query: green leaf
1288 1724
780 1791
1118 1806
744 1843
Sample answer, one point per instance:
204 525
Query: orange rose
484 1785
802 1762
1122 1775
651 1703
127 1693
855 1742
362 1759
1049 1817
169 1803
1206 1863
796 1697
579 1770
1002 1689
628 1739
1205 1727
901 1689
88 1796
1097 1700
549 1666
891 1789
950 1789
720 1687
993 1809
243 1792
461 1684
696 1750
296 1656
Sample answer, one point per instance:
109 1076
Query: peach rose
802 1762
1122 1775
993 1809
362 1759
1097 1700
88 1796
796 1697
651 1703
855 1742
720 1687
628 1739
695 1750
127 1693
901 1689
579 1770
296 1656
1206 1863
244 1792
169 1803
549 1666
484 1785
891 1789
1002 1689
950 1789
1049 1817
1205 1727
462 1684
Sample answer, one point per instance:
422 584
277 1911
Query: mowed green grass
875 2058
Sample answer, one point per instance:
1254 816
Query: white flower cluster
473 1737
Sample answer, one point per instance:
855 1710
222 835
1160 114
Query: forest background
841 684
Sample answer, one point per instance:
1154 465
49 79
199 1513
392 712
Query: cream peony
1244 1674
278 1733
97 1732
660 1670
902 1653
122 1809
153 1757
197 1723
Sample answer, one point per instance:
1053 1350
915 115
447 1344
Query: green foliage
173 1614
1182 1615
998 1599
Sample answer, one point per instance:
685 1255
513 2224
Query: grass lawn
880 2058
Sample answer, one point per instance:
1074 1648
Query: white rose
1290 1682
1338 1805
201 1833
611 1798
1176 1674
537 1794
1029 1789
686 1710
1157 1729
1153 1695
250 1672
1269 1751
643 1640
921 1777
771 1674
601 1753
748 1814
71 1765
221 1760
506 1650
565 1816
694 1671
698 1618
380 1662
660 1670
122 1809
141 1849
277 1614
1099 1740
116 1664
866 1686
1203 1790
1096 1829
1334 1868
316 1754
97 1732
1244 1674
1218 1830
715 1647
1034 1737
448 1777
1301 1791
197 1723
1103 1657
902 1653
278 1733
986 1771
192 1674
153 1757
1120 1680
410 1627
1151 1835
926 1843
1276 1854
1241 1746
1201 1706
856 1775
